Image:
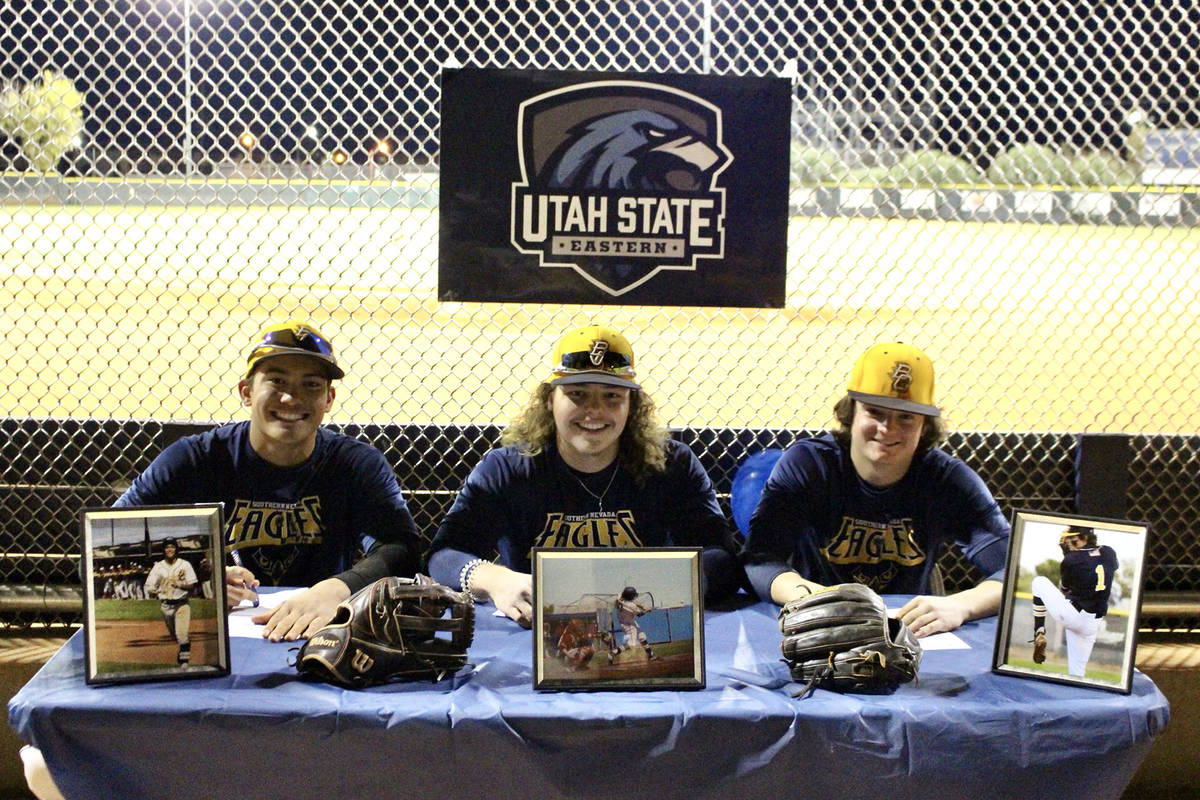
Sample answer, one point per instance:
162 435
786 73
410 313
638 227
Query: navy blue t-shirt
818 517
512 503
292 526
1086 577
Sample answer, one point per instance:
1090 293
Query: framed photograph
617 619
1072 590
154 593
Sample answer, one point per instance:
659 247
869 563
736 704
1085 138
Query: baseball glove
841 638
387 630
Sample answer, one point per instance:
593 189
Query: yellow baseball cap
595 354
293 338
897 376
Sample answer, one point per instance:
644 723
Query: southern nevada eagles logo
619 181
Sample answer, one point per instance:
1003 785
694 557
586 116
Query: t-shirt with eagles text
818 517
291 526
512 503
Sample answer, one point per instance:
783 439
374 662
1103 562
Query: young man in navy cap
300 500
876 502
586 464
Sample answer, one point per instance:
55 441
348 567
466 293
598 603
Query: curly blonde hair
642 448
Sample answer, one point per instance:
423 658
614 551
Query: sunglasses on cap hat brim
609 360
305 339
593 376
287 341
613 369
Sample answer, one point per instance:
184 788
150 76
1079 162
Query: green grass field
144 312
1111 676
113 610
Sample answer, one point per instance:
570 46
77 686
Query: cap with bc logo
595 354
897 376
293 338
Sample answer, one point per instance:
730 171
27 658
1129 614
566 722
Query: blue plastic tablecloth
960 732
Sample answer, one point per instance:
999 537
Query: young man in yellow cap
876 502
586 464
300 500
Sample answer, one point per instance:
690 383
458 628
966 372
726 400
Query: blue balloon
748 483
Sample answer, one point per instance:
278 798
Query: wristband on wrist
464 578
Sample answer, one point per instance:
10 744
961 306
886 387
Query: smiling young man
586 464
301 502
876 502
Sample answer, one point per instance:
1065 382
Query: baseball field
144 312
131 636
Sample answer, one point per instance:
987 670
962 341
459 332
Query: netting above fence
192 85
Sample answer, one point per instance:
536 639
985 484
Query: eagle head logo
619 180
636 149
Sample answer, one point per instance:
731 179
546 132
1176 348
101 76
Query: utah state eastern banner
613 188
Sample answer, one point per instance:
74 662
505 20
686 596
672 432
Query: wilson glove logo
361 662
619 180
324 641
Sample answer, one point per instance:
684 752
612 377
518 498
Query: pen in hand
237 562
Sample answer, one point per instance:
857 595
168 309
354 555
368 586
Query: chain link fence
1011 186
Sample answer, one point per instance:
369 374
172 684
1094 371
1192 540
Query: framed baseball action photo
154 593
1072 591
617 619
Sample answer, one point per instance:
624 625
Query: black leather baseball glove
388 631
841 638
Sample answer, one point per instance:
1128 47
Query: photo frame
151 612
617 619
1078 580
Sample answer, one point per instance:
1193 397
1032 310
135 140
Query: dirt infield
631 665
128 642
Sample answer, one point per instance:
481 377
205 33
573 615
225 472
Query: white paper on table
938 641
239 617
943 641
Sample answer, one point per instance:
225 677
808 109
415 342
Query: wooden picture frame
1078 579
618 619
150 612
